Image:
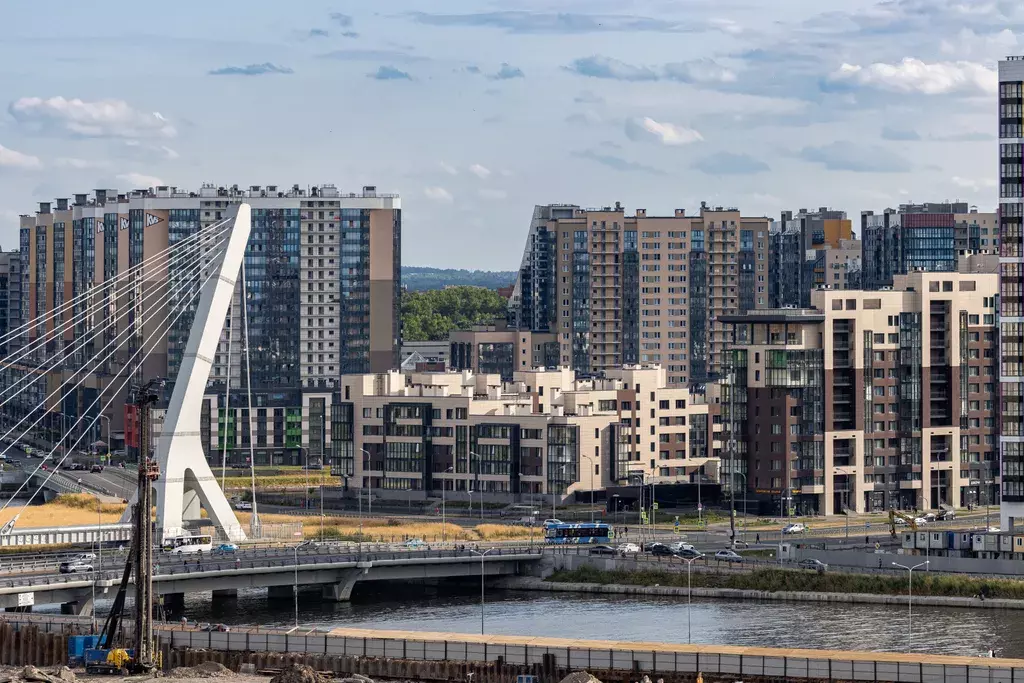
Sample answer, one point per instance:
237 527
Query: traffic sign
655 505
700 507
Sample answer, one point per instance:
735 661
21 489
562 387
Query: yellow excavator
894 515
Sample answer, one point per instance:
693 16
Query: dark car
660 549
603 550
96 468
689 552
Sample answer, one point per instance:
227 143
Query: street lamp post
369 496
731 486
590 459
444 525
295 587
689 561
910 598
305 467
481 488
481 554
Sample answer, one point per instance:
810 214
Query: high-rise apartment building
928 237
10 299
619 289
1011 287
870 400
809 250
321 285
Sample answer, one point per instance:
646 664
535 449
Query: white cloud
98 119
438 194
699 71
140 180
914 76
479 171
974 184
79 164
986 46
726 26
448 168
665 133
487 193
9 158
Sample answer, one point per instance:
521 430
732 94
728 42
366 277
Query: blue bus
582 532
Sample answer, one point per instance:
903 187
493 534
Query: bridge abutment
79 608
342 591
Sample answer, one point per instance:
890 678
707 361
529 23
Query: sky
475 111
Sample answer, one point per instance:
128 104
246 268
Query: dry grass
65 510
381 529
273 482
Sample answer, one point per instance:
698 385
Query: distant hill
420 278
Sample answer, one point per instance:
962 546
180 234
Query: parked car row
682 550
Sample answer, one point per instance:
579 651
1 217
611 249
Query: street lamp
444 525
689 561
846 512
910 598
471 453
481 554
590 458
369 495
741 474
295 587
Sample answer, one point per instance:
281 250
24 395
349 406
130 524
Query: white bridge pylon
186 481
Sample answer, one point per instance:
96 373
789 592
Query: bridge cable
196 267
175 262
157 339
98 289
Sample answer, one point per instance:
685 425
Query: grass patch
774 580
65 510
392 530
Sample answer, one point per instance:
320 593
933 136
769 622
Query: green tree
432 314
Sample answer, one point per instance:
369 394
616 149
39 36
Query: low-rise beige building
545 432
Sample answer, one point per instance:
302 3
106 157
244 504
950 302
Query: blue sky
476 111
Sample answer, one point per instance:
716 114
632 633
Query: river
663 619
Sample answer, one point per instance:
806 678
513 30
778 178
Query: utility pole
149 472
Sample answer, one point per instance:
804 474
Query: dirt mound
204 670
298 673
580 677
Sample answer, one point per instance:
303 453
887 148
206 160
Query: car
75 567
689 553
795 528
994 530
415 543
226 548
84 557
920 521
899 521
308 545
243 505
929 517
603 550
679 547
628 548
947 515
95 468
812 564
660 549
548 522
728 556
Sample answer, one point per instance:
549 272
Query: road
112 481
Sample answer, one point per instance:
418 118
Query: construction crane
107 657
894 515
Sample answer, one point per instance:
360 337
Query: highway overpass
334 568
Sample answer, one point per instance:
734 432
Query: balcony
910 484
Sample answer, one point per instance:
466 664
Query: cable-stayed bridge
102 338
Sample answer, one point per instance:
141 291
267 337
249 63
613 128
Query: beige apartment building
617 289
870 400
546 432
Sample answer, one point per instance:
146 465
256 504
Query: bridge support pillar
81 608
280 592
342 591
225 594
174 602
